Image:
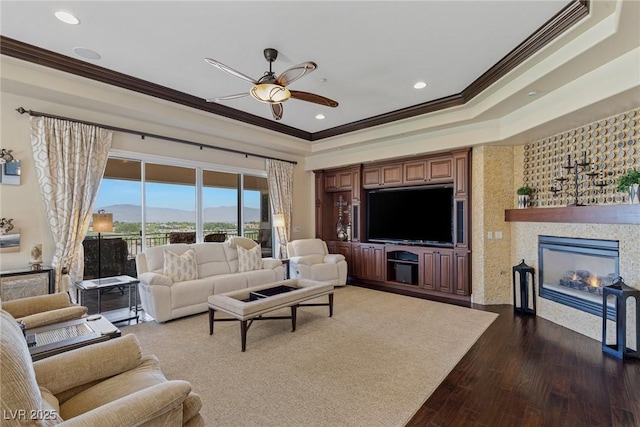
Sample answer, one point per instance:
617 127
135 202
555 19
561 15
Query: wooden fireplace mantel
597 214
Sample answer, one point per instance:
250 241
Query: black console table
24 282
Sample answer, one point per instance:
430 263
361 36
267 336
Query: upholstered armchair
100 385
44 310
310 259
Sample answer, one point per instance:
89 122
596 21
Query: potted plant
630 182
523 196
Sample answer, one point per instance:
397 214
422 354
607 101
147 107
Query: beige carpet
372 364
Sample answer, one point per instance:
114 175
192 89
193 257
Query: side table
106 283
25 282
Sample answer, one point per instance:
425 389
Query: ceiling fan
271 89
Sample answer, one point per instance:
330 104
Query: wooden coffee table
250 304
65 336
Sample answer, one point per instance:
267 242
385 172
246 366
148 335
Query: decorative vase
35 257
341 232
523 201
634 194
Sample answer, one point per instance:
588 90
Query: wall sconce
5 156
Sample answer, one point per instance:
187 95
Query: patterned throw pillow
180 267
249 259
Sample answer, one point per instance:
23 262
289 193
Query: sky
120 192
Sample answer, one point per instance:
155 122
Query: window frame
199 167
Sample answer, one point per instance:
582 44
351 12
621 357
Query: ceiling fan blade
227 69
225 98
277 110
312 97
294 73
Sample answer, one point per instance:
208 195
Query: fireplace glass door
573 271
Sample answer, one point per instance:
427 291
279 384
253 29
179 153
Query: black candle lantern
521 287
621 293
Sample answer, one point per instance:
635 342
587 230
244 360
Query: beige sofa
217 272
100 385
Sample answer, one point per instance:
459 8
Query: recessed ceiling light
67 18
420 85
86 53
320 116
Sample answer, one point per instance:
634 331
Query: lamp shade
278 220
102 222
270 93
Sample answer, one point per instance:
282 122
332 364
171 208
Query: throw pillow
249 259
180 267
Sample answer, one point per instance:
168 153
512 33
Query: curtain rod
143 135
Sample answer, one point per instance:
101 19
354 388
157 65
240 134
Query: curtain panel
280 181
70 159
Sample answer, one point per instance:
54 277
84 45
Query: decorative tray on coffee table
269 292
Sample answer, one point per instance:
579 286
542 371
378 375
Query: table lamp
102 223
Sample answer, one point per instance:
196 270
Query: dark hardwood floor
527 371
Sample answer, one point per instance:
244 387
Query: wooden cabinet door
461 273
371 177
356 261
338 181
383 176
344 181
437 270
391 175
330 182
445 271
440 170
415 172
461 167
368 261
344 248
429 270
356 187
377 263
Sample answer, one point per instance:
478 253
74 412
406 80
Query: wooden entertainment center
435 270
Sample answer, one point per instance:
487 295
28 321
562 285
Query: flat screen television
412 215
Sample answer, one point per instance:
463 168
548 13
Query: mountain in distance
133 213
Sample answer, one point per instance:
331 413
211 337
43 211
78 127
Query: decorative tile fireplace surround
613 145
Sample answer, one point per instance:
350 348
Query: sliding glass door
155 203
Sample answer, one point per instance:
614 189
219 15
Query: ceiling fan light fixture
270 93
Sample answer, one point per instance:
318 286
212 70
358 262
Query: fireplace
573 271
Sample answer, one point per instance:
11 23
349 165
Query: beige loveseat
217 272
101 385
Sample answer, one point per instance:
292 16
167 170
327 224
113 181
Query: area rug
373 363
